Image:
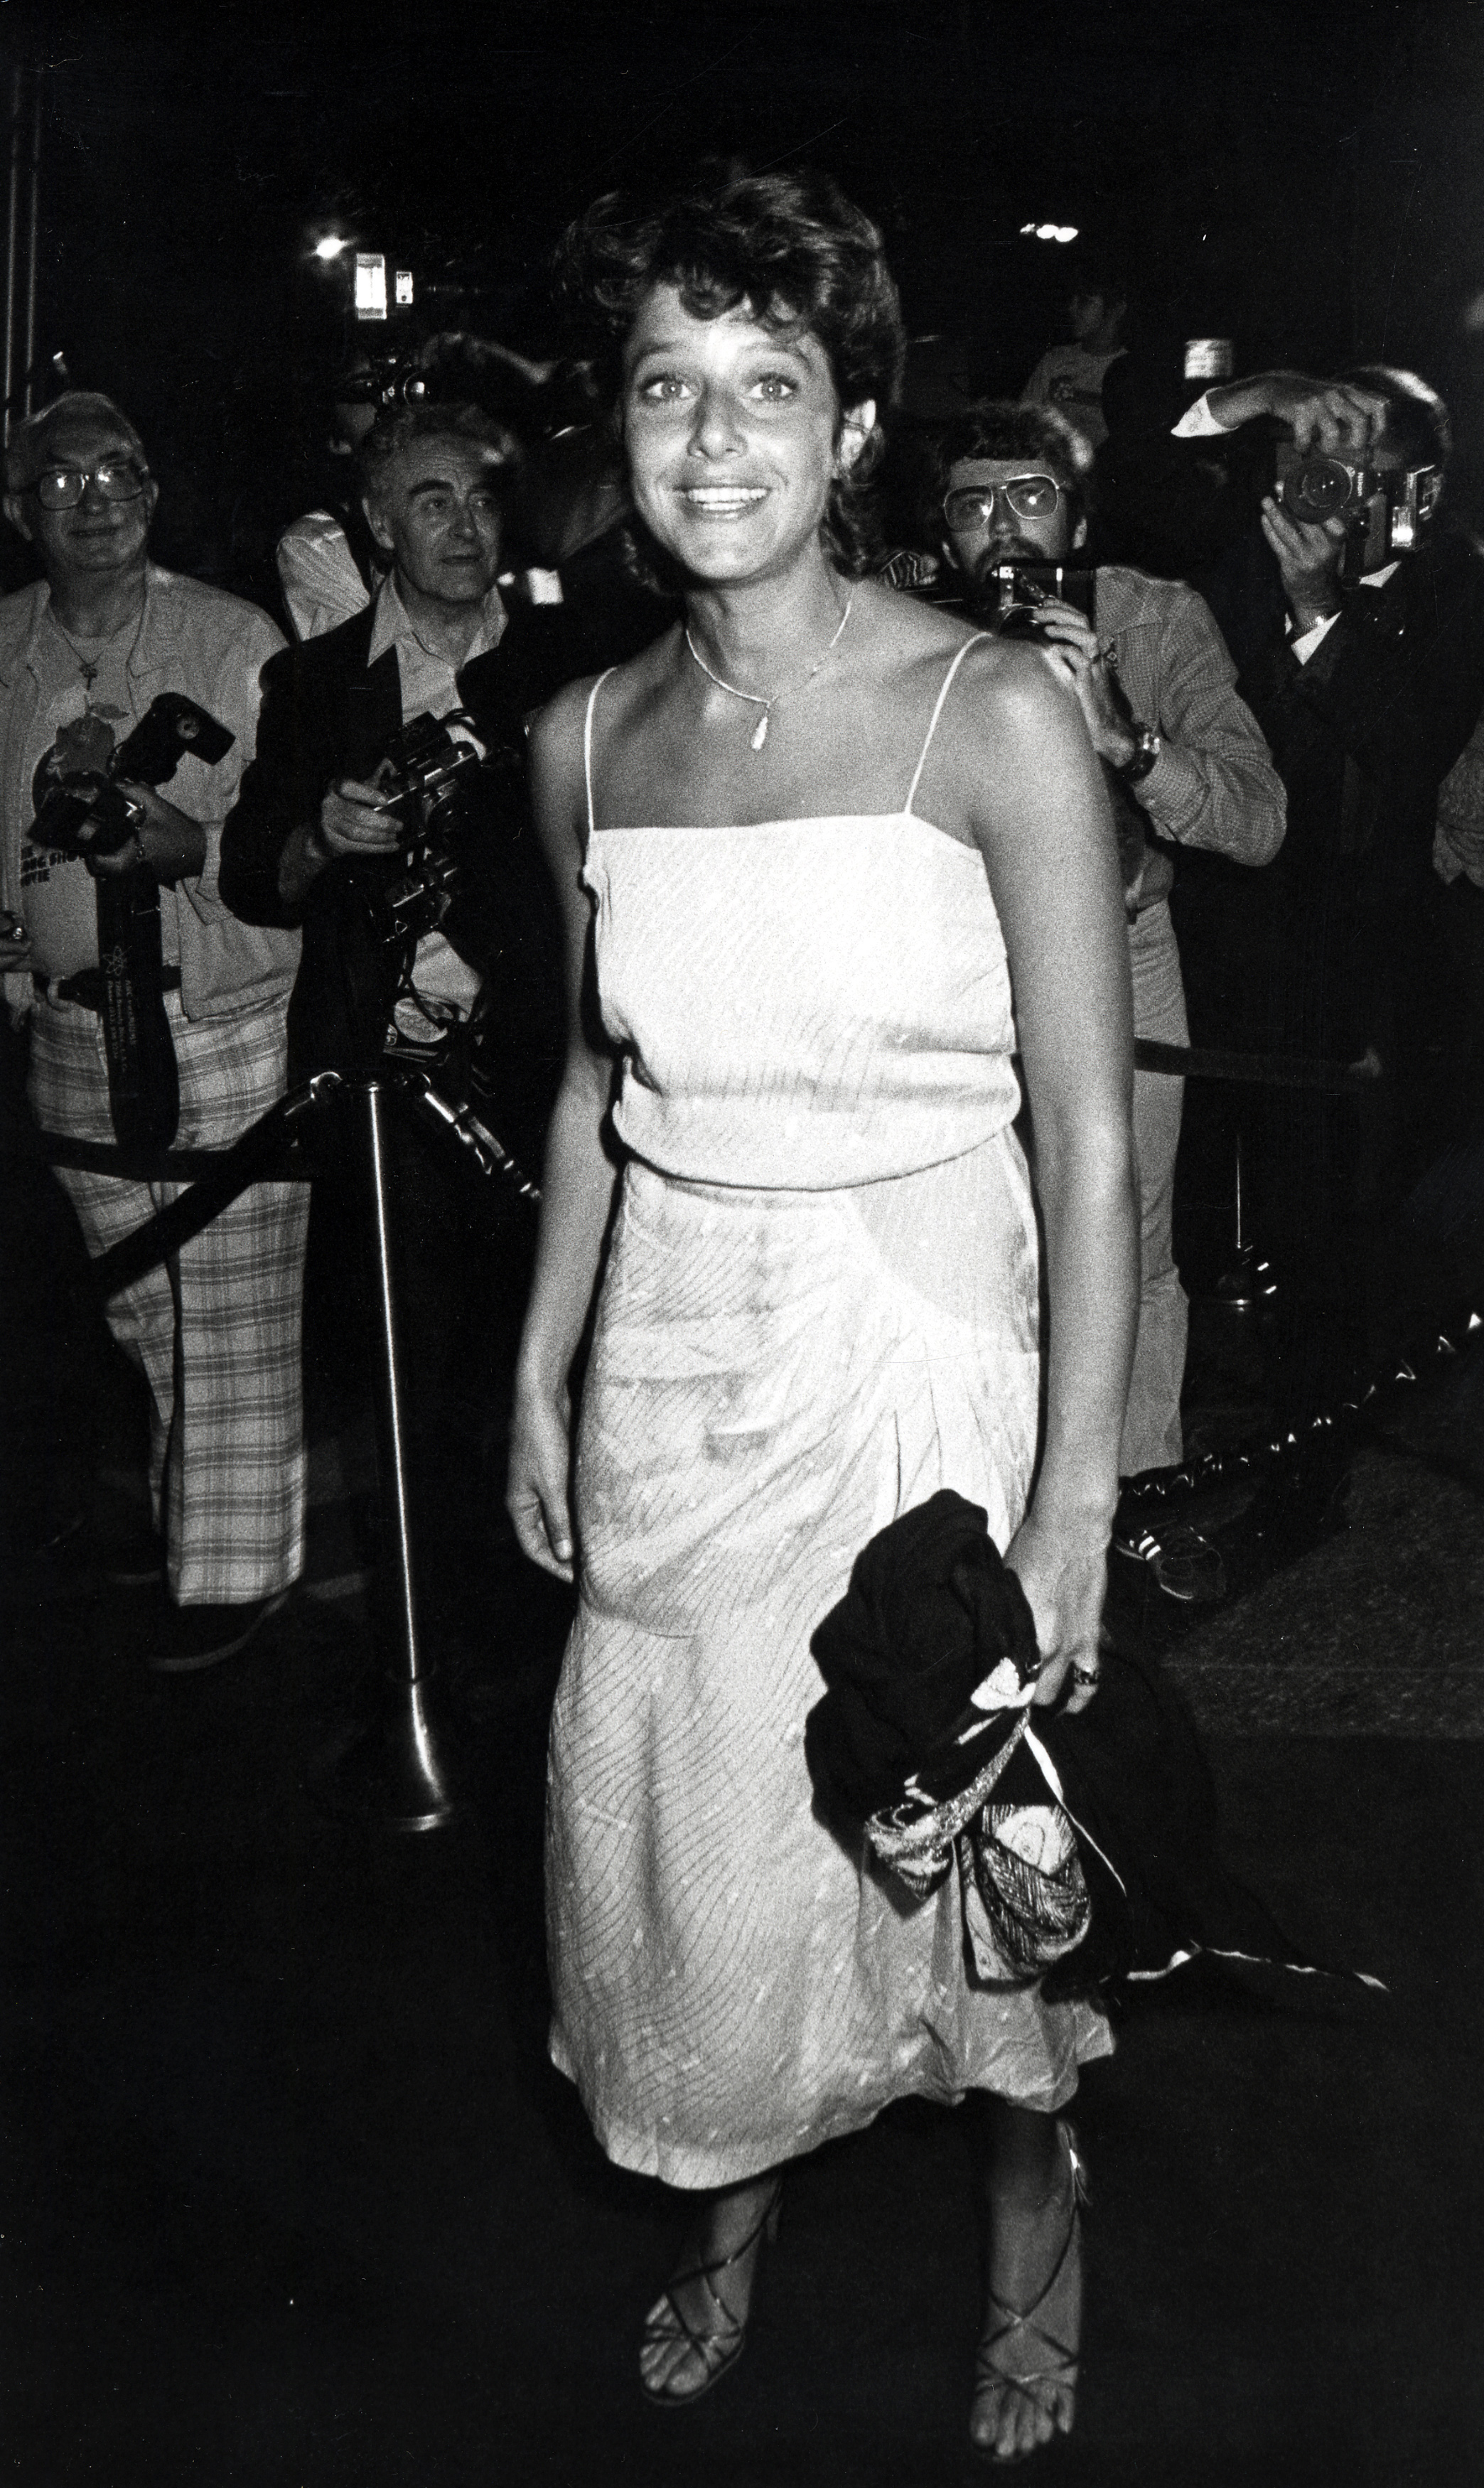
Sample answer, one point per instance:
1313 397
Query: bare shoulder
919 643
561 726
1007 700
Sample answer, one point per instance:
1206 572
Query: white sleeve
317 572
1305 645
1198 423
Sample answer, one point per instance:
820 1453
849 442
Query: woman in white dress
812 843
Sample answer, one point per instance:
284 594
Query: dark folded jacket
929 1614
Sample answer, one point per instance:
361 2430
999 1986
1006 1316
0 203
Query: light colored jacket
1214 784
211 646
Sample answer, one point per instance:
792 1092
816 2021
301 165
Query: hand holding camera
356 820
166 842
1075 655
103 806
1310 554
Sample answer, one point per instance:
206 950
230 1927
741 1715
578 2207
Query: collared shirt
430 680
1305 642
446 986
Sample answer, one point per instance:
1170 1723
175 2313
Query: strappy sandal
1058 2365
719 2348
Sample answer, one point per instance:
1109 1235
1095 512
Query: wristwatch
1147 747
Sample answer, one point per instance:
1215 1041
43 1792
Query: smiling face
97 537
734 436
438 511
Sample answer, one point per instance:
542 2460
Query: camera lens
1320 488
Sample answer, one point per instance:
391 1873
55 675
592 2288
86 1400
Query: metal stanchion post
391 1770
1247 1281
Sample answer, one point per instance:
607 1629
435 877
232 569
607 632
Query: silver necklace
90 667
759 735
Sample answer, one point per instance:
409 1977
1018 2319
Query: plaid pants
217 1328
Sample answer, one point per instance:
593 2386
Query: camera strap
144 1086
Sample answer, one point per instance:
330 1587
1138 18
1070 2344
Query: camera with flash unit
88 812
1314 488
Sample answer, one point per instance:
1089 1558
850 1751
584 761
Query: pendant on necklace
760 732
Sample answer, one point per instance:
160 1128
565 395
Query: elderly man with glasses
83 653
1186 766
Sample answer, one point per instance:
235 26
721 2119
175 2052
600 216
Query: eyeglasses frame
992 491
90 475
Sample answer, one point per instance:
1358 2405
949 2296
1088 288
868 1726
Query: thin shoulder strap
911 792
587 744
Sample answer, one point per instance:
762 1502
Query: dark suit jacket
1362 736
326 713
1327 940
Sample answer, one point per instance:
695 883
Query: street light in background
331 245
1051 233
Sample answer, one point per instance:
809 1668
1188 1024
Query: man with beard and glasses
1187 765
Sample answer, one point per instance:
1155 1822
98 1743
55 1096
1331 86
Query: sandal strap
1017 2319
723 2263
719 2337
720 2343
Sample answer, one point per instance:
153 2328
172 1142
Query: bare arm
1042 820
578 1186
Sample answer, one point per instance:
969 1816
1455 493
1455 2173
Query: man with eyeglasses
1186 766
83 653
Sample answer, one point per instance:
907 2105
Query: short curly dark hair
792 247
1003 428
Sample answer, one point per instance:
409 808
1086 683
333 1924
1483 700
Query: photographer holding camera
1185 765
1367 684
413 942
103 641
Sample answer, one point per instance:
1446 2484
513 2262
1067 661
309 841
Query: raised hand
1333 417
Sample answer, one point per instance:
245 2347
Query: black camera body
90 814
392 380
1314 488
1007 596
426 778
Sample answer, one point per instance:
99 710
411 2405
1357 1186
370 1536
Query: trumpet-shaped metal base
1246 1282
389 1772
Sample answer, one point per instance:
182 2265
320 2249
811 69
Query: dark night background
291 2198
1308 181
